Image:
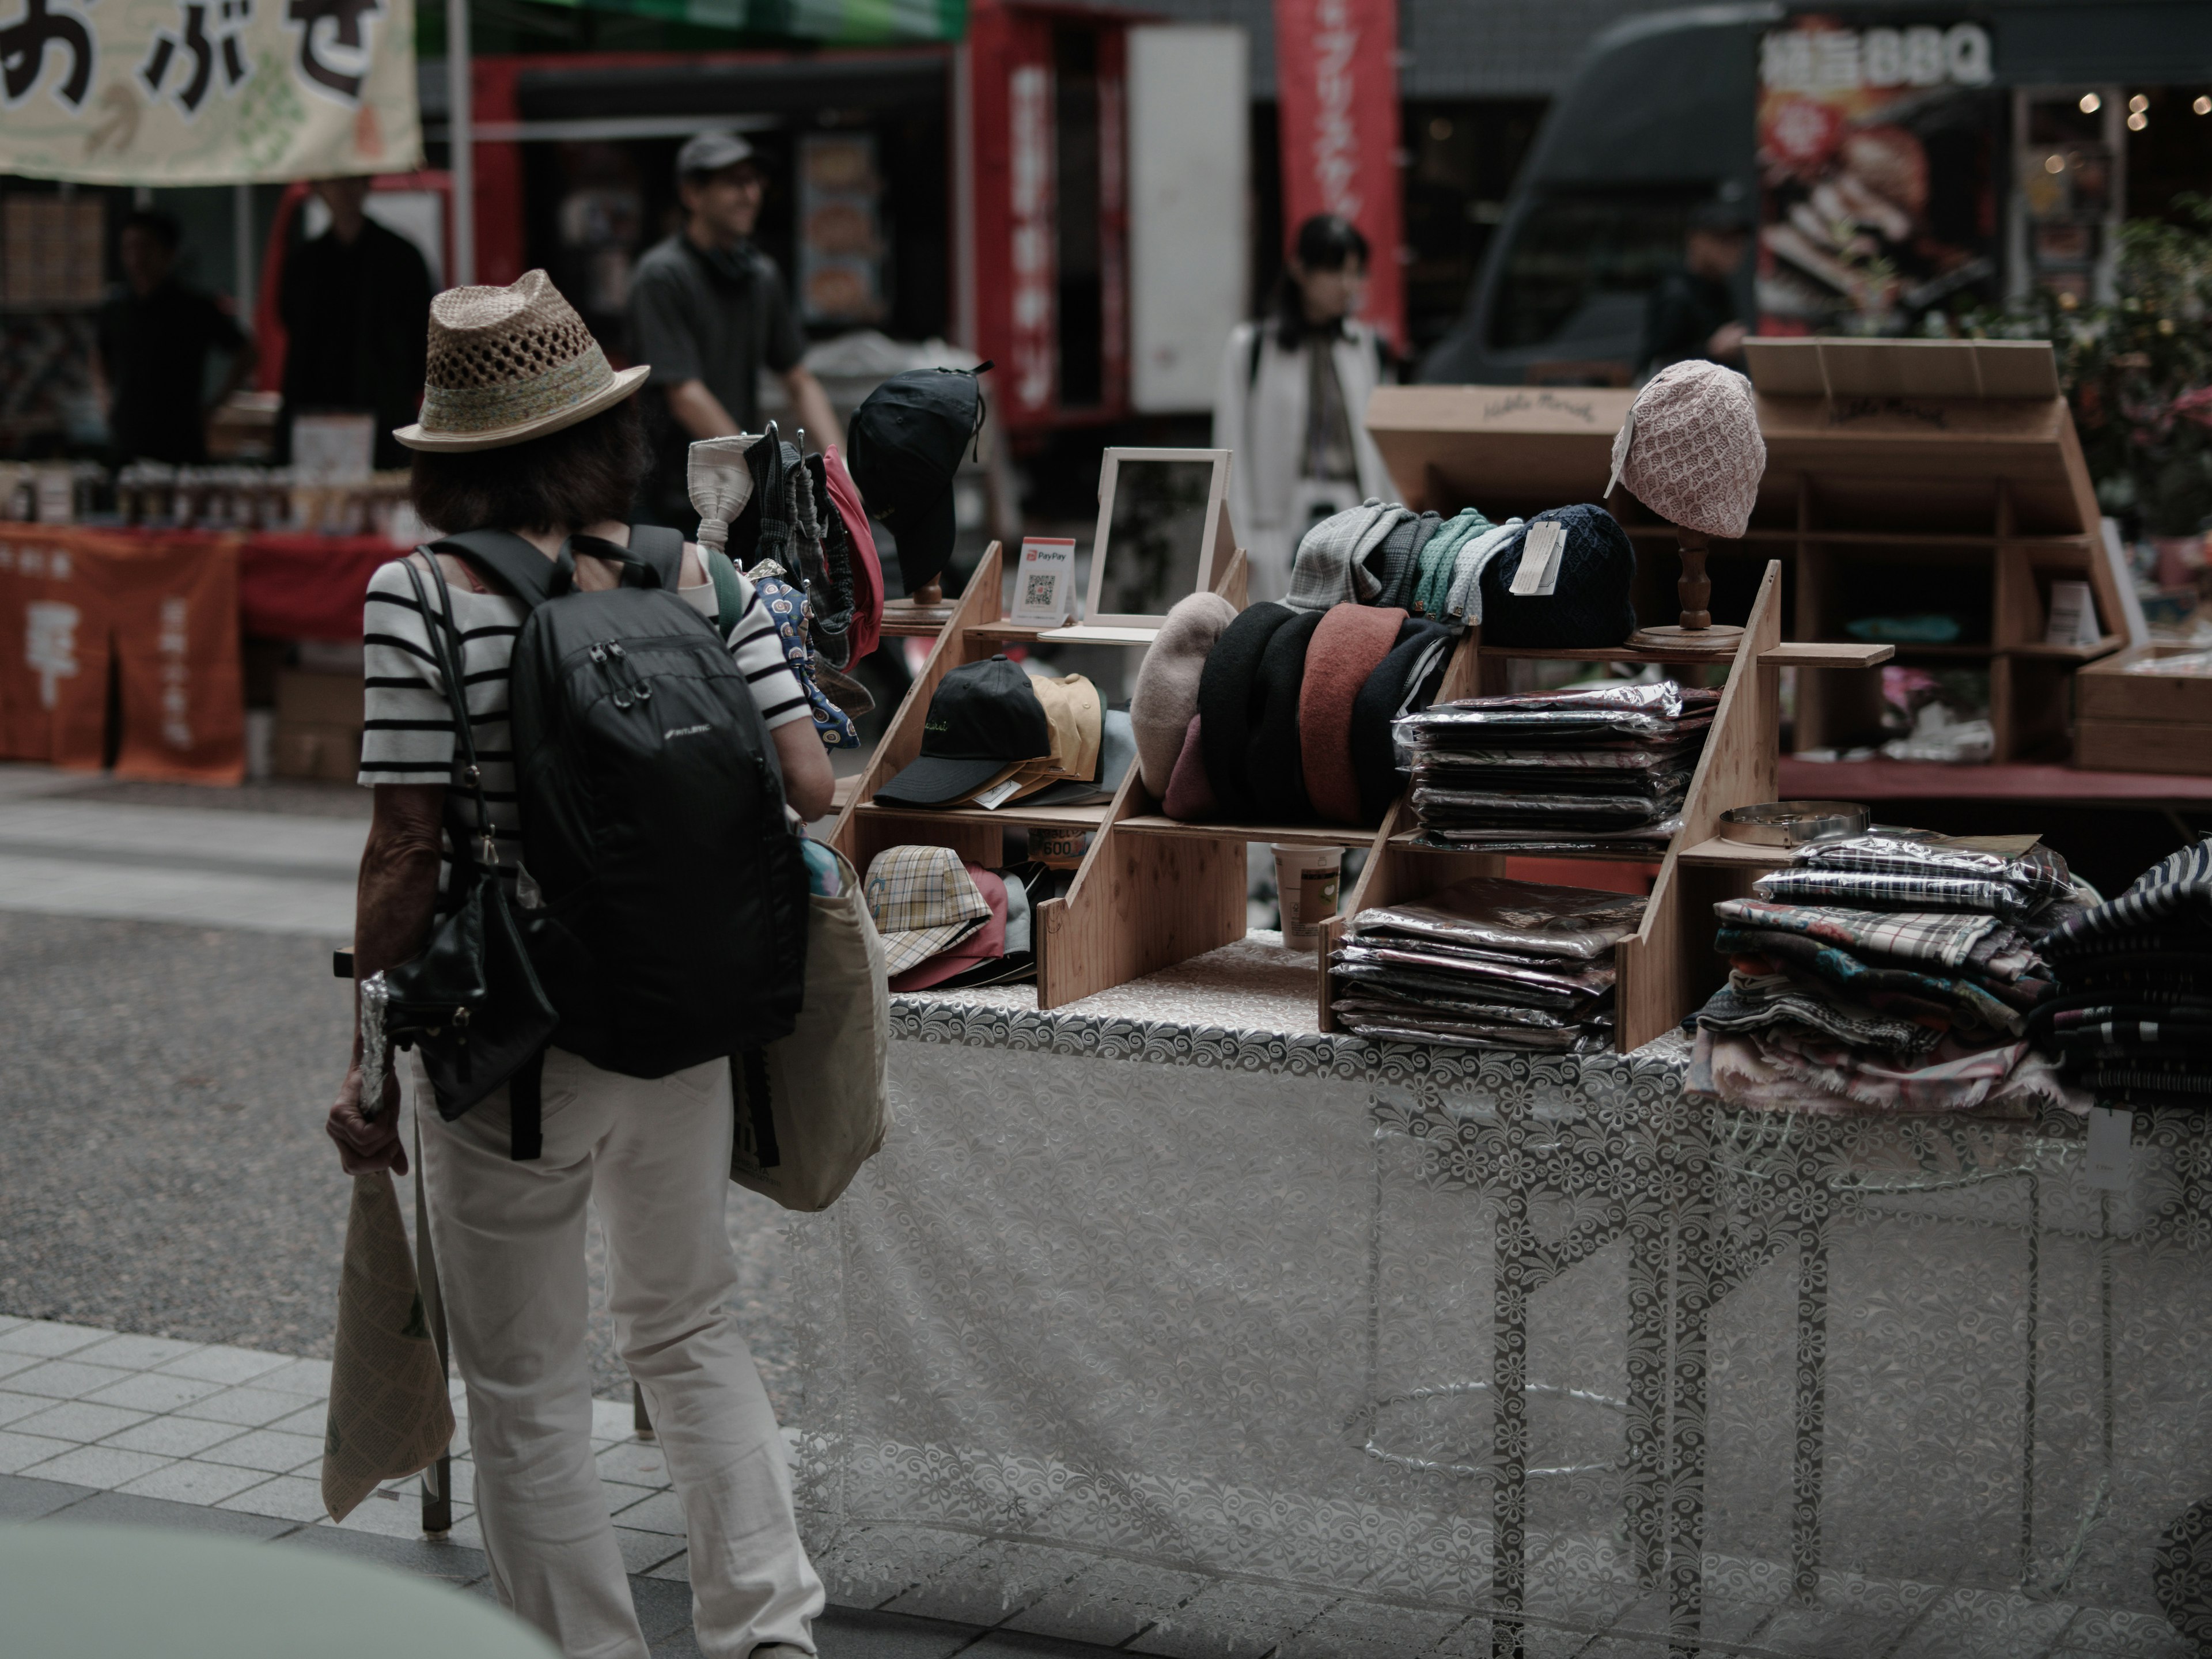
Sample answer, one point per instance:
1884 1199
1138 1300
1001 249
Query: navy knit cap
1589 605
1404 684
1272 770
1225 698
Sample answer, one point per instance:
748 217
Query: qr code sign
1036 587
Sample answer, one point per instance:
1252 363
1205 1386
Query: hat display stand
1696 630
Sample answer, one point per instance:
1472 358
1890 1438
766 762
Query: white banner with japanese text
207 92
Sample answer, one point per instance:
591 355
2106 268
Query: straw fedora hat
509 364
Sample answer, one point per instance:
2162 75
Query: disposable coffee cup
1307 879
1058 847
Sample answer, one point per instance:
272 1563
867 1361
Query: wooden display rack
1902 476
1153 891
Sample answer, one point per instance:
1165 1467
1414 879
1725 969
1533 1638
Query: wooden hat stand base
1696 631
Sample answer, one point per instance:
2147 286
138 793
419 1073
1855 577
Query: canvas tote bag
816 1107
389 1416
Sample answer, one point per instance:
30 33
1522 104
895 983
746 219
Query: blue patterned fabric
786 609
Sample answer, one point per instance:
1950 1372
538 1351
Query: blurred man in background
1693 313
708 311
154 338
355 302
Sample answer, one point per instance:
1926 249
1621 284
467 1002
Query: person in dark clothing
1692 311
355 302
154 338
708 311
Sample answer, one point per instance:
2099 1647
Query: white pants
510 1240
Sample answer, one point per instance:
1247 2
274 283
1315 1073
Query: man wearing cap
708 311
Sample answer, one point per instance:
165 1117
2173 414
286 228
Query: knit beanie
1337 547
1396 564
1589 605
1165 700
1348 648
1188 796
1690 449
1439 559
1463 603
1227 697
1272 770
1404 684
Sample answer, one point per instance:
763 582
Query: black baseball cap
710 152
902 448
984 721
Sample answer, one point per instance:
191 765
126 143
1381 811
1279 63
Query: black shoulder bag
470 1002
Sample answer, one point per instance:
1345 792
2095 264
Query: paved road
172 1035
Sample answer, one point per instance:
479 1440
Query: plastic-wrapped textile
1488 911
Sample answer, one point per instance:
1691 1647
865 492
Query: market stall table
1164 1312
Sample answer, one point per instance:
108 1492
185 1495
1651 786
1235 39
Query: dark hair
161 227
1720 219
1324 242
579 476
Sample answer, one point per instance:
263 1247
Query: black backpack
670 921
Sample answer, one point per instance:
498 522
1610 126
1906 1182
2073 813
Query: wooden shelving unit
1153 890
1902 476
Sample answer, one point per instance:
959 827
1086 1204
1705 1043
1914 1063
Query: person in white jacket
1293 403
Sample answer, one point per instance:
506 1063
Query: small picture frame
1044 581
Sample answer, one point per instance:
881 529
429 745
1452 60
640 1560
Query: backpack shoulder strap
662 548
729 598
524 571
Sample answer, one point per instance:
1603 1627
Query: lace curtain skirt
1251 1343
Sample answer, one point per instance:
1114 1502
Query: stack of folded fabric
2132 1019
1892 971
1487 962
1600 769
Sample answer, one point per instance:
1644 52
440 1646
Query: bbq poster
1878 159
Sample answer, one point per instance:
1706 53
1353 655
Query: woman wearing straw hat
524 427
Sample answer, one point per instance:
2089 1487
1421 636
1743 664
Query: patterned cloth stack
2132 1019
1584 771
1487 962
1895 972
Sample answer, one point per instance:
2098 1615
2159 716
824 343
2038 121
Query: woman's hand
365 1144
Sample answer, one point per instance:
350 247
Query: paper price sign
1044 581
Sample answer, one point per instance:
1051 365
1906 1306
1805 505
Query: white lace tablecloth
1199 1335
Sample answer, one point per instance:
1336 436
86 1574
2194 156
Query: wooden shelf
1609 653
1290 835
1006 633
1952 652
1722 854
1410 841
1018 816
1892 781
2103 648
1897 539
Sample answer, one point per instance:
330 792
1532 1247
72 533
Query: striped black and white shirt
407 735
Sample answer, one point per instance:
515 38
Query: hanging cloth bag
818 1107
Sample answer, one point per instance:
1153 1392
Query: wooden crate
2128 720
1153 891
1901 476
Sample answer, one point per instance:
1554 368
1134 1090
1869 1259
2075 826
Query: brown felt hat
509 364
1348 648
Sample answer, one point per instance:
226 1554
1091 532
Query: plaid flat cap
923 901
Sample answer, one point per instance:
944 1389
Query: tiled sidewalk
101 1426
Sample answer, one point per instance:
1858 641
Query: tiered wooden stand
1902 477
1153 891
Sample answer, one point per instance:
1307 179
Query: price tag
2111 1135
1044 581
1538 573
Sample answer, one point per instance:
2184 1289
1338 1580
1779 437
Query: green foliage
2138 370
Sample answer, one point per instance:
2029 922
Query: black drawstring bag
470 1003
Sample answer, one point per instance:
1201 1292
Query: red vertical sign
1336 77
1032 248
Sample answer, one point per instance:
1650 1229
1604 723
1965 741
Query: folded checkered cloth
1757 1002
1867 889
2172 896
1785 1071
2040 873
1961 1000
1947 938
1332 564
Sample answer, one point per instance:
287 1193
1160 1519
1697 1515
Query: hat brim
624 382
902 951
933 780
925 545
